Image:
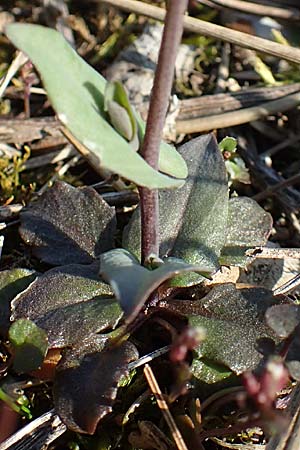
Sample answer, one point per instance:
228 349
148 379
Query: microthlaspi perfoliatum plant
94 293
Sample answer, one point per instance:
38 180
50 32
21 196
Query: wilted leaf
30 345
234 323
69 303
12 282
86 382
68 225
248 226
283 319
193 218
133 283
76 92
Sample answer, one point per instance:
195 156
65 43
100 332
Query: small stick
295 179
237 117
163 406
215 31
280 146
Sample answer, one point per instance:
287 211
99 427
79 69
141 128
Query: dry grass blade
164 408
18 62
37 434
260 10
287 287
215 31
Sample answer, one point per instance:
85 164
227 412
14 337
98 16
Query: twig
276 187
208 105
163 406
215 31
156 117
120 198
258 9
47 130
10 211
238 117
280 146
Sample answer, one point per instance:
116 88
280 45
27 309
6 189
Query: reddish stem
161 91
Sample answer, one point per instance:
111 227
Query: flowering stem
161 91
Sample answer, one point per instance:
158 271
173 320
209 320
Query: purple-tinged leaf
133 283
193 218
248 226
71 324
69 303
30 345
87 380
234 323
68 225
283 319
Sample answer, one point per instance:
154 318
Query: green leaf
234 320
228 144
248 226
133 283
64 297
94 316
121 115
30 344
12 282
76 92
193 218
237 170
68 224
170 161
209 372
86 382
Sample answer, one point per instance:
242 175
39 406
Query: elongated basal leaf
133 283
76 92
